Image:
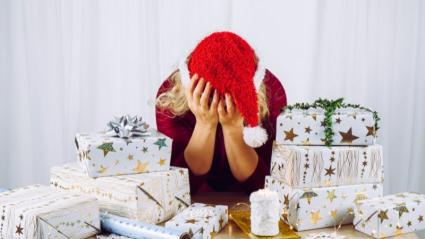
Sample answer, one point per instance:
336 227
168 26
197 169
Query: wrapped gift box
43 212
200 220
390 215
306 127
148 197
103 155
322 166
313 208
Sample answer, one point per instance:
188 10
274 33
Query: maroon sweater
220 177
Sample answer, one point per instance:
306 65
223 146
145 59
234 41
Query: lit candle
264 212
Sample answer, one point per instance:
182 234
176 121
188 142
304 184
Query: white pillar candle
264 212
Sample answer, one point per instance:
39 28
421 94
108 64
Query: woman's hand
228 114
198 96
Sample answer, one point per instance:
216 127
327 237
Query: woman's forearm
243 159
199 151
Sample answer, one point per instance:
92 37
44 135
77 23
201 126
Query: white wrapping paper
313 208
390 215
148 197
200 220
42 212
322 166
306 127
103 155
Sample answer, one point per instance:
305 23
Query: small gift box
42 212
322 166
312 208
124 151
200 220
326 123
148 197
390 215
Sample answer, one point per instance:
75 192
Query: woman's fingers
198 90
191 86
205 96
229 104
214 102
220 108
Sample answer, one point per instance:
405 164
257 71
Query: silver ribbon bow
127 127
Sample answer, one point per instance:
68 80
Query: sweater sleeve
276 101
180 131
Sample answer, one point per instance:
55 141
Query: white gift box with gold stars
103 155
38 211
321 166
306 127
148 197
312 208
390 215
200 220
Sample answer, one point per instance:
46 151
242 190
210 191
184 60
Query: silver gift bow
127 127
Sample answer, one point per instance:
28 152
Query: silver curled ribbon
127 127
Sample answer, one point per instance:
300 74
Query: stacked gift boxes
127 168
323 162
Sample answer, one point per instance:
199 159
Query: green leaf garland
329 106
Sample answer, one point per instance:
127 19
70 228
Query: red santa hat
229 63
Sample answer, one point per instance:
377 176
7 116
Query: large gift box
200 220
350 126
104 155
390 215
318 166
43 212
148 197
312 208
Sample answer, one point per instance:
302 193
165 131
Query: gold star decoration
370 131
398 230
307 129
160 143
401 208
141 167
19 229
309 195
290 135
348 137
161 162
421 218
383 215
145 149
106 148
191 221
314 116
130 157
333 214
409 223
315 217
359 197
331 195
102 169
330 171
338 120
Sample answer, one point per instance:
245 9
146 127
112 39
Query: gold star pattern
330 171
315 217
314 116
333 214
309 195
348 137
290 135
370 131
401 208
286 200
338 120
409 223
160 143
19 229
130 157
102 169
420 218
145 149
141 167
331 195
106 148
398 230
307 129
162 162
383 215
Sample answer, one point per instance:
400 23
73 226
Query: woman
212 108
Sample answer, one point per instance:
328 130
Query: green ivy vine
329 107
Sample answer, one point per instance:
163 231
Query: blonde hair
174 99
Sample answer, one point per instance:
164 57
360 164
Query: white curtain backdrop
69 66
